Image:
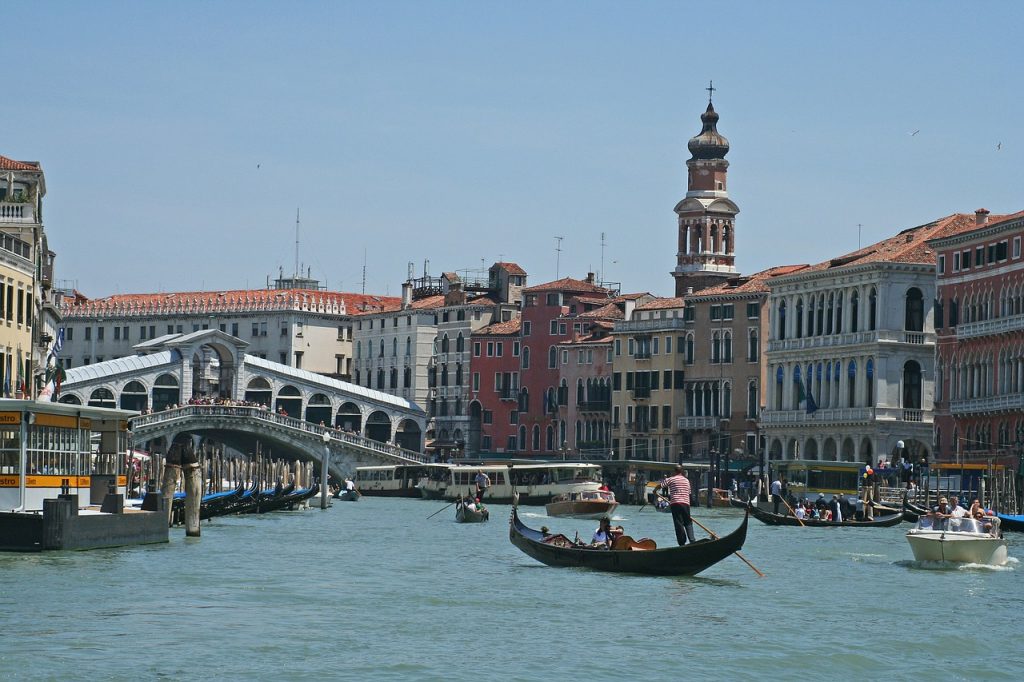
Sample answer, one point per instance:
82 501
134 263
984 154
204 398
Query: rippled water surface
375 590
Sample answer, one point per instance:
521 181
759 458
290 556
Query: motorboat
963 540
586 504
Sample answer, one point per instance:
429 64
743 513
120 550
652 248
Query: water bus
809 478
536 483
404 480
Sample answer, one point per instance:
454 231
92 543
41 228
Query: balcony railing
992 403
641 392
701 423
986 327
642 355
11 212
595 406
508 394
851 339
668 324
839 415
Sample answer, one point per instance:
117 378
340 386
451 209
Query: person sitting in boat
821 503
605 534
469 503
940 514
800 512
835 508
660 502
825 514
955 510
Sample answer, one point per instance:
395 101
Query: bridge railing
260 414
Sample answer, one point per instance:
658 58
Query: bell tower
706 216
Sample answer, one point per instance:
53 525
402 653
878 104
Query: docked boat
635 556
773 519
1014 522
589 504
402 480
719 497
464 514
963 540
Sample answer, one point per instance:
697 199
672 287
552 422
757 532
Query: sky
179 139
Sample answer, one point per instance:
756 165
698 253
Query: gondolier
678 487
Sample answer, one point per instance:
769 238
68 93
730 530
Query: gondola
465 515
213 504
782 520
280 499
912 512
348 495
686 560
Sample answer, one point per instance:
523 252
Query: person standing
776 494
867 492
678 487
483 482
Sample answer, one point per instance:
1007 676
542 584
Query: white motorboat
586 504
963 540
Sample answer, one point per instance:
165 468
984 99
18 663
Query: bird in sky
257 166
999 146
915 132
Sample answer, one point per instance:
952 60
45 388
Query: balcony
852 339
15 212
642 355
641 392
709 423
669 324
989 404
997 326
839 415
595 406
901 414
508 394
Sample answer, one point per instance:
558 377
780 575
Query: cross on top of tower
711 90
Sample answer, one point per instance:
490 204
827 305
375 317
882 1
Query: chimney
590 278
981 216
406 295
689 291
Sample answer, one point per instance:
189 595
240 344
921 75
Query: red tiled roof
909 246
751 284
11 164
606 312
436 301
663 303
241 300
993 221
511 268
500 328
571 285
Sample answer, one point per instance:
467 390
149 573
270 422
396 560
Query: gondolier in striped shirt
678 487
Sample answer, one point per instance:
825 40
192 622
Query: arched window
444 343
359 349
394 377
869 371
839 313
536 437
799 318
689 349
407 378
552 357
854 311
727 347
851 384
522 437
753 352
580 394
381 349
550 440
460 343
821 314
394 347
914 311
752 400
525 357
380 378
458 374
911 385
444 375
779 374
408 346
872 310
781 328
716 348
830 315
727 400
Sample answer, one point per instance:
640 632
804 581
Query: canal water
375 590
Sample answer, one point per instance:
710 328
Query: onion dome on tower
709 144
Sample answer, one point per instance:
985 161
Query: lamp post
324 494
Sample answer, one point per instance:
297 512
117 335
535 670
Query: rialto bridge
205 384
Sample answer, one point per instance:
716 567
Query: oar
440 510
708 531
792 512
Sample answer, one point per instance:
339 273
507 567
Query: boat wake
1010 565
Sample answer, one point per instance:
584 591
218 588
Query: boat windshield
965 525
962 525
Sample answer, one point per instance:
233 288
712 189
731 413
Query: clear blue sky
469 131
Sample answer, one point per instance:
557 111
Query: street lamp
324 496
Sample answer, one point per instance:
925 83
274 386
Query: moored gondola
686 560
912 512
772 519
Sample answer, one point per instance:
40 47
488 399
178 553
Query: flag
54 370
804 396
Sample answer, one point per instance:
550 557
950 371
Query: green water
374 590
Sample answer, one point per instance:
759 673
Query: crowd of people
822 509
946 514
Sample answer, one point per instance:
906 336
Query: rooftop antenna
558 255
602 258
858 235
411 271
296 270
364 269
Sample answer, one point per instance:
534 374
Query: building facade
28 316
494 389
979 320
307 329
851 353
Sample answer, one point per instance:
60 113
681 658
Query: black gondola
912 512
784 520
686 560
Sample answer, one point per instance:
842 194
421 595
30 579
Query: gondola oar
737 553
802 524
441 510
